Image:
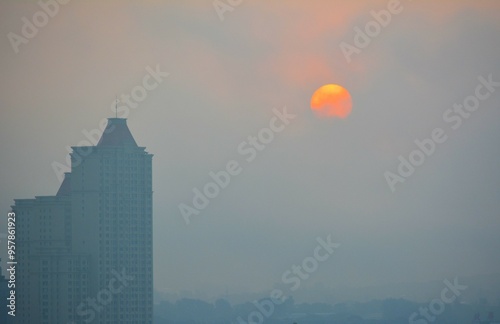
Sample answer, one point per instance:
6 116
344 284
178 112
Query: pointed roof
117 134
65 188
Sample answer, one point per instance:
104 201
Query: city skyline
249 172
85 254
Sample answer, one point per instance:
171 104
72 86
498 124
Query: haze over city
210 79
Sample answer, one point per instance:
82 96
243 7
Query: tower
111 191
85 255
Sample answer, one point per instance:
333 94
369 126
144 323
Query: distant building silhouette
85 254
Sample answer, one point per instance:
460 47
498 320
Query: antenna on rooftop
116 106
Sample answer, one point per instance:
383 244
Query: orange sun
331 100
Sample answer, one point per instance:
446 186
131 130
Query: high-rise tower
88 250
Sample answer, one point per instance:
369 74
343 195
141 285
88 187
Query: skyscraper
85 255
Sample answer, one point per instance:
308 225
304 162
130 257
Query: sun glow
331 100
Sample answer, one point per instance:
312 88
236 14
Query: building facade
85 254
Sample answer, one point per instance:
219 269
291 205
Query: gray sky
317 177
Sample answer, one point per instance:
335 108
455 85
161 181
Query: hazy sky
317 177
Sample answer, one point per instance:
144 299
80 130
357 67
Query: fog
317 177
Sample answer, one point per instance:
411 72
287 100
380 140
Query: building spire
116 106
117 133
